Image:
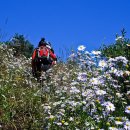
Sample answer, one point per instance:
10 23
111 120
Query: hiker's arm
52 50
52 55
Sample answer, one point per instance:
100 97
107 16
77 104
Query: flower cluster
87 92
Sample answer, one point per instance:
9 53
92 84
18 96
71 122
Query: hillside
88 91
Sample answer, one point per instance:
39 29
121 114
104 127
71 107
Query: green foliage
69 96
21 45
120 48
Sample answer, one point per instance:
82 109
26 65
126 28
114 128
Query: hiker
43 57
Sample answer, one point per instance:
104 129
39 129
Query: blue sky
65 23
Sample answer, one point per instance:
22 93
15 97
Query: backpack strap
48 56
38 52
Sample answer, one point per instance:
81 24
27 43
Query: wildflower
127 125
46 107
83 102
57 103
102 63
118 122
128 45
84 94
100 92
62 110
96 52
111 60
113 70
109 106
82 76
119 38
72 55
118 95
116 72
66 123
128 92
51 117
81 48
113 128
57 91
62 98
127 73
74 83
86 52
122 59
63 105
71 119
95 81
73 103
74 90
14 84
127 109
59 124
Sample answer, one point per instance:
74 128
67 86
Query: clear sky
65 23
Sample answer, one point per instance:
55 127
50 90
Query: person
43 57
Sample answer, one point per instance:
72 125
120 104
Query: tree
120 48
21 45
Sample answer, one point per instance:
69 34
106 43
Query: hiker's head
42 39
42 42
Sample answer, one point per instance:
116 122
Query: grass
77 95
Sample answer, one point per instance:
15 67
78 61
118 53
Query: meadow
90 91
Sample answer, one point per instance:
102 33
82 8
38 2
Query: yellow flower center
129 108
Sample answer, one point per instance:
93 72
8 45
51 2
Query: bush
20 45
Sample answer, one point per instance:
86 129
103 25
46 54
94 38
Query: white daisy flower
66 123
96 52
74 90
119 38
127 125
118 122
82 76
113 128
81 48
127 109
100 92
59 124
102 63
109 106
71 119
95 81
127 73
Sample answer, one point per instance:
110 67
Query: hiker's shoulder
36 48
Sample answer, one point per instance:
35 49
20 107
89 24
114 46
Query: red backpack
43 52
